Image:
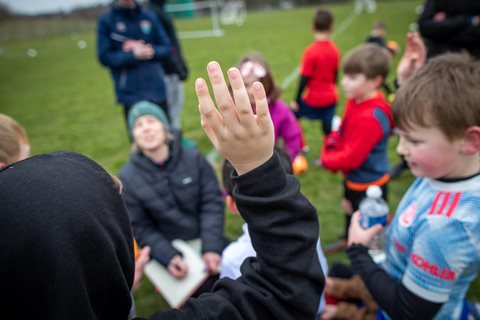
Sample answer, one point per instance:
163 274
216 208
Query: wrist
242 168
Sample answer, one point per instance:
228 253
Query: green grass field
65 100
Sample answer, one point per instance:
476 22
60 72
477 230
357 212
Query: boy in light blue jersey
433 243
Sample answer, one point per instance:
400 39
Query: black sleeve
394 298
301 86
211 208
285 281
451 26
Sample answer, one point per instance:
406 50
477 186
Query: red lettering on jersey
400 247
433 269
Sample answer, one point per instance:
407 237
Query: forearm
351 150
284 230
396 300
212 209
212 226
301 86
446 29
117 59
107 54
161 52
146 233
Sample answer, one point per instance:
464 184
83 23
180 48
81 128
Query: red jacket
359 148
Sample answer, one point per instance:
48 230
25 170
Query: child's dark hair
227 170
368 59
322 20
271 89
443 93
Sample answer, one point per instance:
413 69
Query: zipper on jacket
123 79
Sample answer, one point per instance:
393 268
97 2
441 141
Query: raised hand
244 139
413 57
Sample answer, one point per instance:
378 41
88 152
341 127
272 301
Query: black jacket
175 64
285 281
179 200
67 247
455 32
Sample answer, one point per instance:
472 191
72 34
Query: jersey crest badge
121 26
408 215
146 26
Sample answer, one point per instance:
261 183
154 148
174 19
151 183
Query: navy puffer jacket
178 200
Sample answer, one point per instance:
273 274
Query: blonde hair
12 135
117 183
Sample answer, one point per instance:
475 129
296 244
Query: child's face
148 133
357 86
430 154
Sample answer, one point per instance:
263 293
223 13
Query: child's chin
416 172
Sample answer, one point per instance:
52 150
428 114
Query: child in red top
318 74
359 147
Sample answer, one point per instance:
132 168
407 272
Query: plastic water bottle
374 210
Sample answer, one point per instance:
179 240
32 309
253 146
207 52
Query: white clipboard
177 291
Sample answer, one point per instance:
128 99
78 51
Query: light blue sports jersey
433 244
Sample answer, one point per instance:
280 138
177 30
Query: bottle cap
374 192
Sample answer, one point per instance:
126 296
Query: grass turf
65 99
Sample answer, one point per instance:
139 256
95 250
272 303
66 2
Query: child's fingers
263 115
356 217
222 95
240 95
209 132
211 120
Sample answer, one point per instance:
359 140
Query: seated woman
170 193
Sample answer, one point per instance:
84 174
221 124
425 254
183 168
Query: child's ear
232 206
378 81
471 140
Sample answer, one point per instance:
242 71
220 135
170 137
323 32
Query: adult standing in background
176 70
448 25
132 43
368 6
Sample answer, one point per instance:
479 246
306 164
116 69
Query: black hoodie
67 247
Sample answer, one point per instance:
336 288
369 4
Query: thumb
375 229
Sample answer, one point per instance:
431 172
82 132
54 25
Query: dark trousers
325 114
